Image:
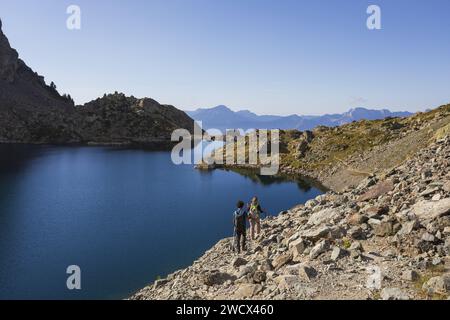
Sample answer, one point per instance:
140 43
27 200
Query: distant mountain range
222 117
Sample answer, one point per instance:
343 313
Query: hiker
254 216
240 227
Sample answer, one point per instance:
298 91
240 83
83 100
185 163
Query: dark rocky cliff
33 112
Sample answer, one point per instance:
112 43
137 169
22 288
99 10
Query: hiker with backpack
240 227
254 217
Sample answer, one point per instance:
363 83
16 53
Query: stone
297 247
215 277
446 186
447 245
287 282
323 216
259 276
423 245
307 273
374 222
356 233
316 234
439 285
436 197
292 269
266 265
376 191
410 275
338 253
356 219
428 237
384 229
408 227
393 294
427 173
446 231
159 283
246 269
430 210
356 246
377 212
281 260
311 204
337 232
248 291
237 262
319 248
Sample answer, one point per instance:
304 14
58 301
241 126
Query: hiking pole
233 242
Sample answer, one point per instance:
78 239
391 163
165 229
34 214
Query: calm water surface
124 216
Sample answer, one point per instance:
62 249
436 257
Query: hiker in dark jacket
240 226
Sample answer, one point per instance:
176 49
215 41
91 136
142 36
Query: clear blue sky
269 56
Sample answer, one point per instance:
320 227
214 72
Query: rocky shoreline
388 238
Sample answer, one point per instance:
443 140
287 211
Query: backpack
253 212
239 220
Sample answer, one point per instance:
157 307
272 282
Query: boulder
316 234
246 269
423 246
384 229
297 247
446 186
321 247
248 291
356 219
428 237
259 276
307 273
159 283
430 210
410 275
281 260
323 216
356 233
215 277
356 246
393 294
408 227
287 282
376 191
237 262
447 246
439 285
338 253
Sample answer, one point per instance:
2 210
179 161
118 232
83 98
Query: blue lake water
124 216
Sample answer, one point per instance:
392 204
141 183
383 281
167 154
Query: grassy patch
433 271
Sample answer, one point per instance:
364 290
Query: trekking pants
240 240
255 227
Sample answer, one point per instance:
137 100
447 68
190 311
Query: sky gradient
271 57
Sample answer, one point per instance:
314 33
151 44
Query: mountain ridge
33 112
222 117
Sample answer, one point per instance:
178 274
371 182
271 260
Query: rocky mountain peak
33 112
9 59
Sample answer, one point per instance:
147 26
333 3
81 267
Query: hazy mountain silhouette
222 117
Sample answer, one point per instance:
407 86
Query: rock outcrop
33 112
388 238
119 119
